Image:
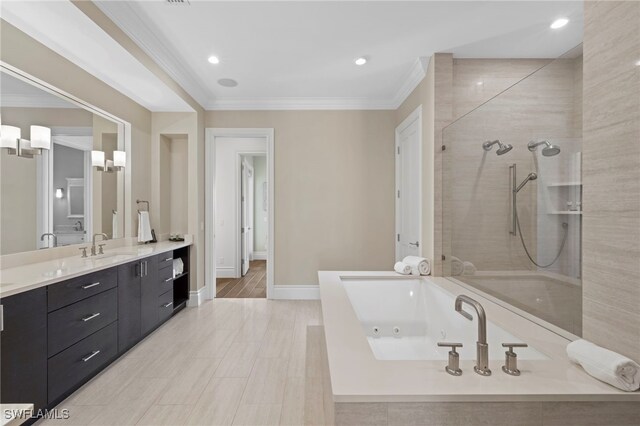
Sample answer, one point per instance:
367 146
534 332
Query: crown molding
415 75
283 104
127 16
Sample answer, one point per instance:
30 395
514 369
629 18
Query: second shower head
548 150
502 148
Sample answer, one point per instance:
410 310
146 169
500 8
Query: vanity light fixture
118 163
11 139
559 23
59 193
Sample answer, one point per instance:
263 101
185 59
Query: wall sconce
10 139
59 193
118 163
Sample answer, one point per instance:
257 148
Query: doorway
409 186
239 215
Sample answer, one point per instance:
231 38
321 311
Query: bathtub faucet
482 361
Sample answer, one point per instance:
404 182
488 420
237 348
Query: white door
245 226
408 187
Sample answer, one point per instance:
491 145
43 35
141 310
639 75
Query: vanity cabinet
149 285
23 348
129 304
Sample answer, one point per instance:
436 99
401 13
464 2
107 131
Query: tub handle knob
453 367
511 358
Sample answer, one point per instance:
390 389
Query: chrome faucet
93 241
482 347
49 234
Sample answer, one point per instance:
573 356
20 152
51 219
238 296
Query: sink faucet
93 245
49 234
482 347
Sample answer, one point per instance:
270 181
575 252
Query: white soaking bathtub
404 319
395 367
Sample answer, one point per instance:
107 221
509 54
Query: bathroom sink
110 256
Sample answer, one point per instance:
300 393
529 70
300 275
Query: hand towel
419 265
468 268
402 268
114 225
605 365
457 266
144 227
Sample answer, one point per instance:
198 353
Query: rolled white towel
419 265
605 365
457 266
402 268
468 268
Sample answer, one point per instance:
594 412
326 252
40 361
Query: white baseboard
195 298
259 255
296 292
226 272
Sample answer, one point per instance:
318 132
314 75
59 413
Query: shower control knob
511 358
453 367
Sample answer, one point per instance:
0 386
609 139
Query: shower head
502 148
548 151
530 176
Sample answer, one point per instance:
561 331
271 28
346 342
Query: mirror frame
124 201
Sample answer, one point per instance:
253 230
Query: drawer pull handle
88 357
84 287
90 317
168 259
166 305
167 280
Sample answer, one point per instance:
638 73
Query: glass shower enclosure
512 196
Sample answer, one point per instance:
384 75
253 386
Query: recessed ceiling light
559 23
360 61
227 82
213 60
480 83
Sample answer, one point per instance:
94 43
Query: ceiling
299 55
66 30
292 55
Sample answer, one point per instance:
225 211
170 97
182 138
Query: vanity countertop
34 275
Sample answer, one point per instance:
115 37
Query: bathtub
404 319
380 331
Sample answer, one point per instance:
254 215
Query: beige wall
611 176
334 185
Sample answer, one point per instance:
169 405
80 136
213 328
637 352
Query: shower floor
555 301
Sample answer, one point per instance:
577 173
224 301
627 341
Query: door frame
415 115
210 195
239 243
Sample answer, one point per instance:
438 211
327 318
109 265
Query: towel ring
143 201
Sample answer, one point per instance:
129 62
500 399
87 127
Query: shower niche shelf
558 184
566 212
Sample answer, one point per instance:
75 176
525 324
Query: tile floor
228 362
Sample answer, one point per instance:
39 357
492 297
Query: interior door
244 226
408 175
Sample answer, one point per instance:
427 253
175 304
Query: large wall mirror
61 168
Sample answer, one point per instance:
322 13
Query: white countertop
10 414
357 376
34 275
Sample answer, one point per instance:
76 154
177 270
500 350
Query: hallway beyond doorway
252 285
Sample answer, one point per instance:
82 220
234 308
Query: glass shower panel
512 214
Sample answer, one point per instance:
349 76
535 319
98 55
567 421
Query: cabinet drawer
72 366
75 322
165 306
165 278
75 289
165 260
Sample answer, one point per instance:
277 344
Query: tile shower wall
611 175
476 184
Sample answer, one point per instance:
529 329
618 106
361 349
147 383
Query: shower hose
565 226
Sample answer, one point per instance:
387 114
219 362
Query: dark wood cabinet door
23 348
149 290
129 299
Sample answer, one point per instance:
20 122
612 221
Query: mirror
56 197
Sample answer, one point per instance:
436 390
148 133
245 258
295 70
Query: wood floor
227 362
252 285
